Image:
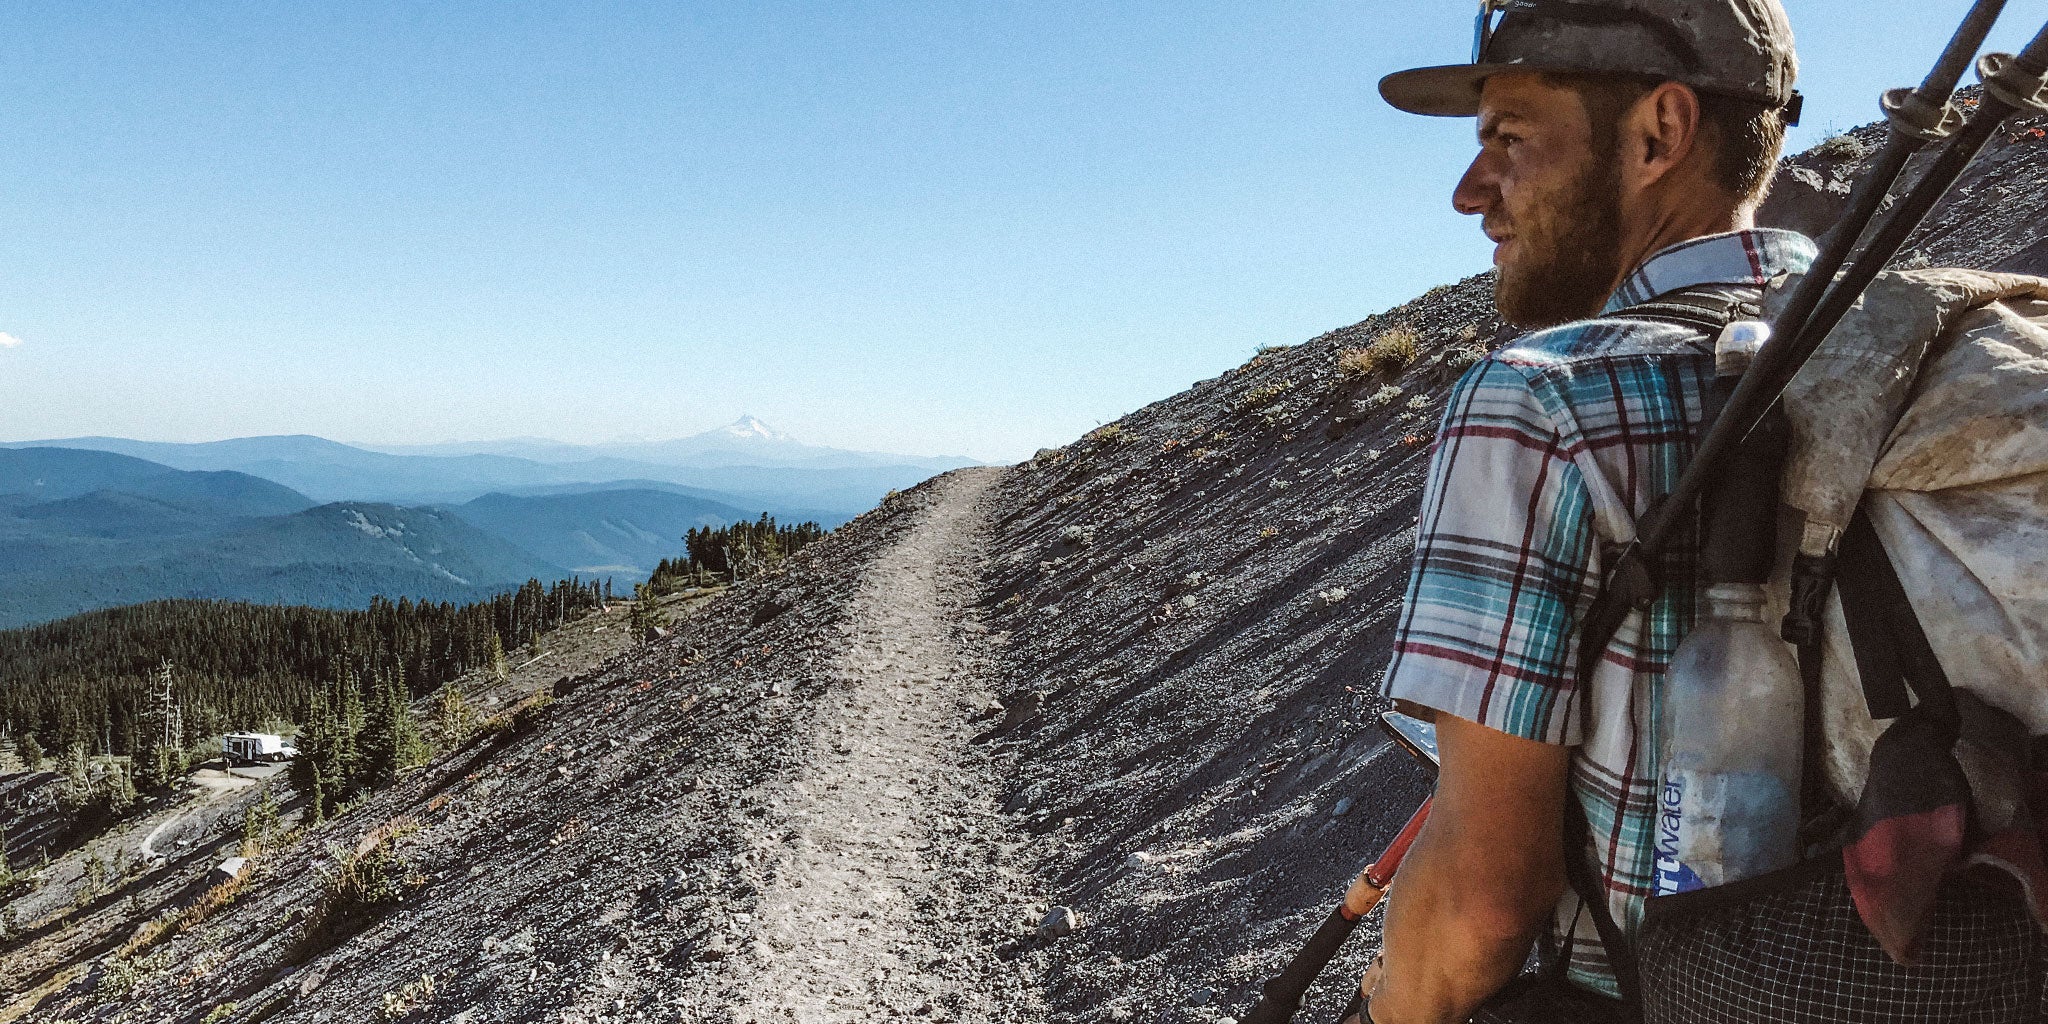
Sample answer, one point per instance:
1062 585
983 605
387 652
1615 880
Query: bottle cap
1737 344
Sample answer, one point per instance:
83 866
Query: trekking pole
1819 301
1282 995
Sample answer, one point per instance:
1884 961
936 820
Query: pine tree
391 739
495 658
316 795
348 769
409 748
31 750
117 788
452 714
259 823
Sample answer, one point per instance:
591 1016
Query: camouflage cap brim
1447 90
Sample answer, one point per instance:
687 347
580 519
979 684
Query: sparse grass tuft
1458 360
1389 352
1109 432
1419 403
1394 349
411 996
1387 395
208 903
218 1014
1260 397
1843 147
1354 362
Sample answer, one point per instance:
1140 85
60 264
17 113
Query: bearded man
1623 148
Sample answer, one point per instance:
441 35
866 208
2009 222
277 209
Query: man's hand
1484 875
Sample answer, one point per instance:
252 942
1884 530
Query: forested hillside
91 680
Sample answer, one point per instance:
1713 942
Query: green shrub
373 877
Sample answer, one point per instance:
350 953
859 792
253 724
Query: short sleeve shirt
1550 449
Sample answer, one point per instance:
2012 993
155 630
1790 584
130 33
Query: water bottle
1733 726
1733 717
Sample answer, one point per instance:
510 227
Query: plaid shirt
1549 449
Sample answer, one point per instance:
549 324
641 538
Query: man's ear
1661 133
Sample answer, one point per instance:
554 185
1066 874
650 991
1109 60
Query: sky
967 229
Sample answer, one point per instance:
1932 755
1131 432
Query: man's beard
1570 253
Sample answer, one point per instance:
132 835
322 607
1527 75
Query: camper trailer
256 748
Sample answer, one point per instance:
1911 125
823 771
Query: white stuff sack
1929 403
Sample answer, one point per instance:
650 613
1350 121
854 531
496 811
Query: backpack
1918 462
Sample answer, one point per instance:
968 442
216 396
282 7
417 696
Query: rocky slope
803 807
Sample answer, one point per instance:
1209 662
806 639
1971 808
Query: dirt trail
888 842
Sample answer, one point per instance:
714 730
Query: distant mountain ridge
110 547
90 529
84 528
749 464
598 533
51 474
746 441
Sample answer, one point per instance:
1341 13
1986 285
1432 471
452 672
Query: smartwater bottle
1733 714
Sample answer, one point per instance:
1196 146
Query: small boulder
1021 708
1059 921
1343 807
656 633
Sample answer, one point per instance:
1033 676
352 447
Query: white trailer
256 748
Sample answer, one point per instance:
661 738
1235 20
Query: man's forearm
1444 952
1483 877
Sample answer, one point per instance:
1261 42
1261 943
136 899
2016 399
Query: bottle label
1673 875
1719 827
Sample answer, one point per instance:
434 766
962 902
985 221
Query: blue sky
967 229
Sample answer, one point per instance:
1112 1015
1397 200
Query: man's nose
1478 189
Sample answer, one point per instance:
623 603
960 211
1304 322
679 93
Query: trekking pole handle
1371 884
1283 993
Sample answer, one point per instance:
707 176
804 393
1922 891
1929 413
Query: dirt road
891 893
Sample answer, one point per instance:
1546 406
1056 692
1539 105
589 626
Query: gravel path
889 893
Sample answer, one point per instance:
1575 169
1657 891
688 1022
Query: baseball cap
1739 48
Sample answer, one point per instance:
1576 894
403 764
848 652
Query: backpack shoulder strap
1706 307
1891 648
1585 883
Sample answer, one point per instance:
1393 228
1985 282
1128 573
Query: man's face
1548 192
